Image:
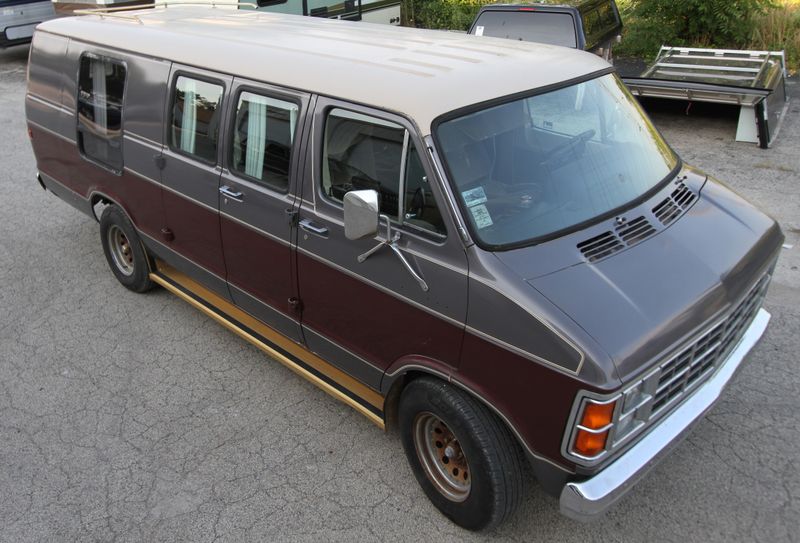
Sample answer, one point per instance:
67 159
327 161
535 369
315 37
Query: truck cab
591 25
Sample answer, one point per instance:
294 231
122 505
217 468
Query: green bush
445 14
703 23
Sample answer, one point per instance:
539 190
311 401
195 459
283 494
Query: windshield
539 26
529 168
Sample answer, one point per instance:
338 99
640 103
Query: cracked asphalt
128 417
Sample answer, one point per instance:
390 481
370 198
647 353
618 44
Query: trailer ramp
753 80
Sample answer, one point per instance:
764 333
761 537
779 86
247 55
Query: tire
438 421
124 250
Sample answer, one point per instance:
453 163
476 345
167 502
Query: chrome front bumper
588 499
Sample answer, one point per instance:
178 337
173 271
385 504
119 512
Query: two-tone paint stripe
297 358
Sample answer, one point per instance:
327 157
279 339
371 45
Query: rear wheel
464 458
124 250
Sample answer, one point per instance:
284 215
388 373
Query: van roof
419 73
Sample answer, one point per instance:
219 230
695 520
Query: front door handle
228 192
309 226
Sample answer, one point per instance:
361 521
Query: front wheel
124 250
464 458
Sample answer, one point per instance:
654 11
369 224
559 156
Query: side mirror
361 214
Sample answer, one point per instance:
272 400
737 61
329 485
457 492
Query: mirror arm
391 242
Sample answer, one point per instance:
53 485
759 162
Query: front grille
697 362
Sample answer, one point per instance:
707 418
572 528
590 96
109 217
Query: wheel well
99 203
392 401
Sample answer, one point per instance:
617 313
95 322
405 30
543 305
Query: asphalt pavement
128 417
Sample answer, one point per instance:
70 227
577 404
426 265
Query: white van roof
419 73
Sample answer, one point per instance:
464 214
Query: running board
295 357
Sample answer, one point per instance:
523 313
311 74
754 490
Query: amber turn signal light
589 444
596 415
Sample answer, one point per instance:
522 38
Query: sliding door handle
309 226
228 192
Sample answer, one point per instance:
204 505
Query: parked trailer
753 80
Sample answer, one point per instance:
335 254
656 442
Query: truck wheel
464 458
124 250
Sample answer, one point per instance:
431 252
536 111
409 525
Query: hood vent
600 246
608 243
635 231
675 204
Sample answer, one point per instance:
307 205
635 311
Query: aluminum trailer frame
753 80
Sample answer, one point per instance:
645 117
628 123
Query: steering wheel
559 154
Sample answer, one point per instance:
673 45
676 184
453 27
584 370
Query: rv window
362 152
195 118
263 134
101 85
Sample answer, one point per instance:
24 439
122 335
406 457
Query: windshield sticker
481 216
474 197
479 31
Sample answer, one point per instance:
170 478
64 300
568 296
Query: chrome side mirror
361 214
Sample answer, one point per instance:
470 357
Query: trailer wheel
124 250
464 458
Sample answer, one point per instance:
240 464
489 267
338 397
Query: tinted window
262 138
101 85
537 26
362 152
195 118
536 166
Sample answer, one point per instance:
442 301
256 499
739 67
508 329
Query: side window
101 85
195 118
362 152
263 135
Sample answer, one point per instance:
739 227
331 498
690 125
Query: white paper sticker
474 197
479 31
481 216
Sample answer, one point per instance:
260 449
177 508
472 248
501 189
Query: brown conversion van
483 243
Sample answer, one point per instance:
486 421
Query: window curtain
100 102
256 137
189 118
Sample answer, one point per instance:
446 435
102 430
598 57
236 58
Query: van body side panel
257 231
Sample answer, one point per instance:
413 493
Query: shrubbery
446 14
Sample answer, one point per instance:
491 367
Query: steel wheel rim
442 458
121 251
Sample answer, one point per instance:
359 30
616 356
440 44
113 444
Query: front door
367 317
191 174
256 200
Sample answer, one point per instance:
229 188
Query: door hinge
167 234
160 161
295 305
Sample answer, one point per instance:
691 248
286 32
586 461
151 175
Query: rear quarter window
535 26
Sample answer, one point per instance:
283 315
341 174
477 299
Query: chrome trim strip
189 198
588 499
48 103
51 132
138 174
254 228
521 352
383 289
133 136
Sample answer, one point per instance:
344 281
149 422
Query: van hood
640 302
